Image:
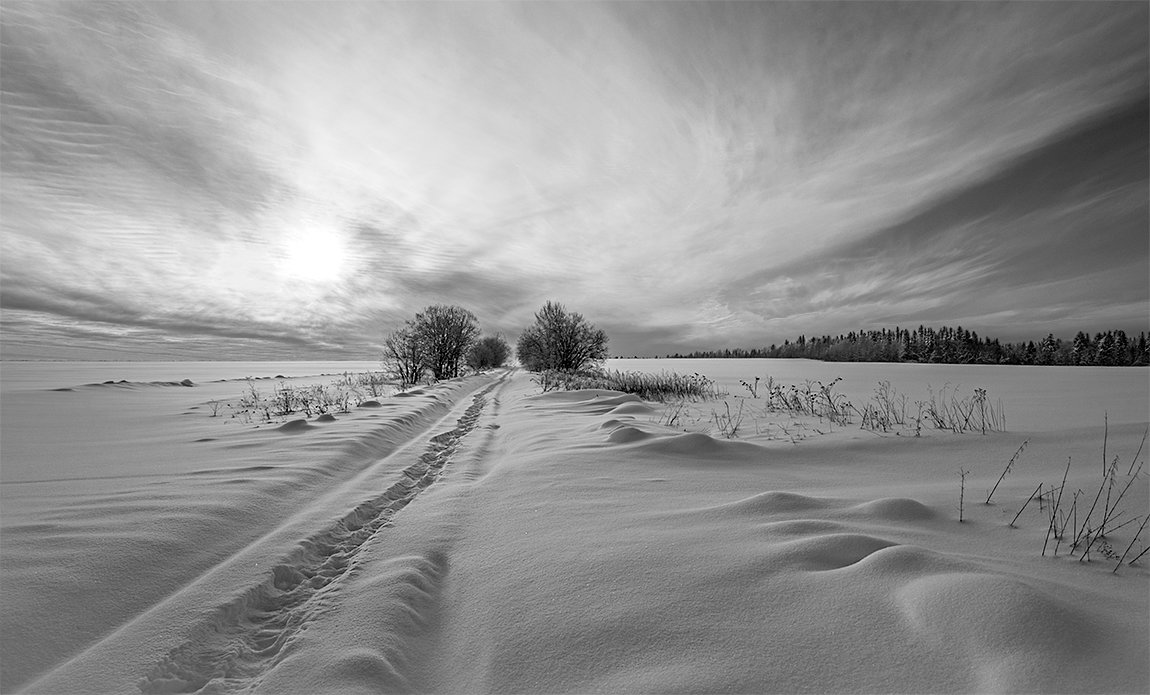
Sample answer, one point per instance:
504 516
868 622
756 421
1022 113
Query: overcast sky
254 180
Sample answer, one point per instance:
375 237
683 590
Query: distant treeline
952 346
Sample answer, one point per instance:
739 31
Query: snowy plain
479 536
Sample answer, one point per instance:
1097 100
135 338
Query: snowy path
299 499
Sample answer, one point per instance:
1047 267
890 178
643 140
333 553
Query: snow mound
907 561
775 502
295 426
579 396
587 401
633 408
134 385
894 509
801 527
627 434
704 448
1014 635
823 552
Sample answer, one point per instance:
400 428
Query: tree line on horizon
951 346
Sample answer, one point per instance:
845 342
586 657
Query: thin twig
1105 436
1111 510
1062 530
1054 511
1089 540
1124 523
1037 490
1087 519
961 491
1006 470
1111 474
1144 433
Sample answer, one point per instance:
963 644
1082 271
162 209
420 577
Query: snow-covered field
478 536
1034 398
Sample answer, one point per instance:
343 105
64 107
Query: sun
315 255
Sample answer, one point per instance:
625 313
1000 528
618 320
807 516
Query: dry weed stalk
961 491
1139 452
1009 465
1054 511
729 423
1037 491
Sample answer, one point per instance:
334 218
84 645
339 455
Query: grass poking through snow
1092 534
286 400
663 387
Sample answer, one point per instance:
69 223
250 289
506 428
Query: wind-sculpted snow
1008 631
574 542
248 636
574 569
139 478
125 384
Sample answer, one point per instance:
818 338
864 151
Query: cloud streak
1028 248
687 175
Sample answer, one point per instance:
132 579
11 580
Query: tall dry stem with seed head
1009 465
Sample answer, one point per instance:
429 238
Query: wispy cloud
685 174
1058 230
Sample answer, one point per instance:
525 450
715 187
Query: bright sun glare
315 255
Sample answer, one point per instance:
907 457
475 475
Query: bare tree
560 340
403 355
490 352
445 334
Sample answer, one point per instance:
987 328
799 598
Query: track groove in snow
247 636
